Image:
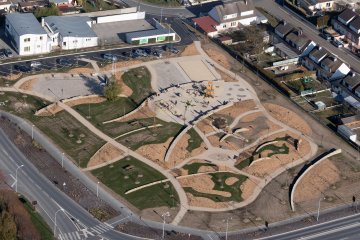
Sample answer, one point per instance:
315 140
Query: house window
233 24
64 43
26 39
328 4
224 25
41 38
27 49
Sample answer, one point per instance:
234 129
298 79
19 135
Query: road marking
331 231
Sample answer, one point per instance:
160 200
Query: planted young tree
112 90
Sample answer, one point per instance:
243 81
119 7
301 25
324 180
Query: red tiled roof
206 23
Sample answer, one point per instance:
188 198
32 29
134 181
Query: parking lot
113 33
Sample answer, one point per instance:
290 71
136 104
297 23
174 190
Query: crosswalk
86 232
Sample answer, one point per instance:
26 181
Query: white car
35 64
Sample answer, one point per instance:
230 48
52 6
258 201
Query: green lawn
99 6
194 141
104 111
151 136
139 80
193 168
220 185
158 195
170 3
42 227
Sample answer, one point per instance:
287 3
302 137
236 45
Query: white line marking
331 231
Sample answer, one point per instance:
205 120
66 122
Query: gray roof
318 53
332 62
300 40
234 7
58 1
284 28
148 33
347 15
286 50
25 23
352 81
355 23
75 26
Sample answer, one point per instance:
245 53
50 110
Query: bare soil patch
125 89
238 108
218 56
13 77
106 153
205 126
81 70
288 117
155 152
316 181
84 100
190 50
248 187
225 76
179 153
231 180
28 85
121 64
49 110
143 112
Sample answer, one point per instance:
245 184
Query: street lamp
318 211
16 179
61 209
62 160
167 214
97 189
227 227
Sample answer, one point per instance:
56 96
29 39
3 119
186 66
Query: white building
5 5
70 32
317 5
26 34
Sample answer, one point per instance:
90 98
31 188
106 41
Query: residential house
70 32
333 68
61 2
314 58
283 28
351 81
229 16
300 42
26 34
313 6
30 6
348 24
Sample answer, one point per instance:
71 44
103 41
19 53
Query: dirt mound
125 90
81 70
316 181
143 112
190 50
84 100
106 153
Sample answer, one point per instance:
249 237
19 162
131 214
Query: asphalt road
309 30
73 222
343 228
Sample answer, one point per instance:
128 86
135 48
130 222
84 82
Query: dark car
109 56
2 53
64 61
8 52
22 68
337 43
326 36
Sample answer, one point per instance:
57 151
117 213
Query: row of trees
15 221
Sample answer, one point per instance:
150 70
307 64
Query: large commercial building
26 34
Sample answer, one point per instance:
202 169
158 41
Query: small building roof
75 26
332 62
318 53
347 15
286 50
206 23
234 7
355 23
25 23
300 40
351 119
284 28
149 33
352 80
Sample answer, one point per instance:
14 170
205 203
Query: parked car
337 43
158 53
2 53
22 68
139 52
326 36
8 52
64 61
109 56
34 64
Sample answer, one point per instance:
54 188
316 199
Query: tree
7 226
52 10
112 90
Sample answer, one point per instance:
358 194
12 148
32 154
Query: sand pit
248 187
316 181
218 56
179 154
121 64
82 70
203 184
205 126
49 110
84 100
143 112
155 152
28 85
105 154
288 117
196 70
190 50
238 108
